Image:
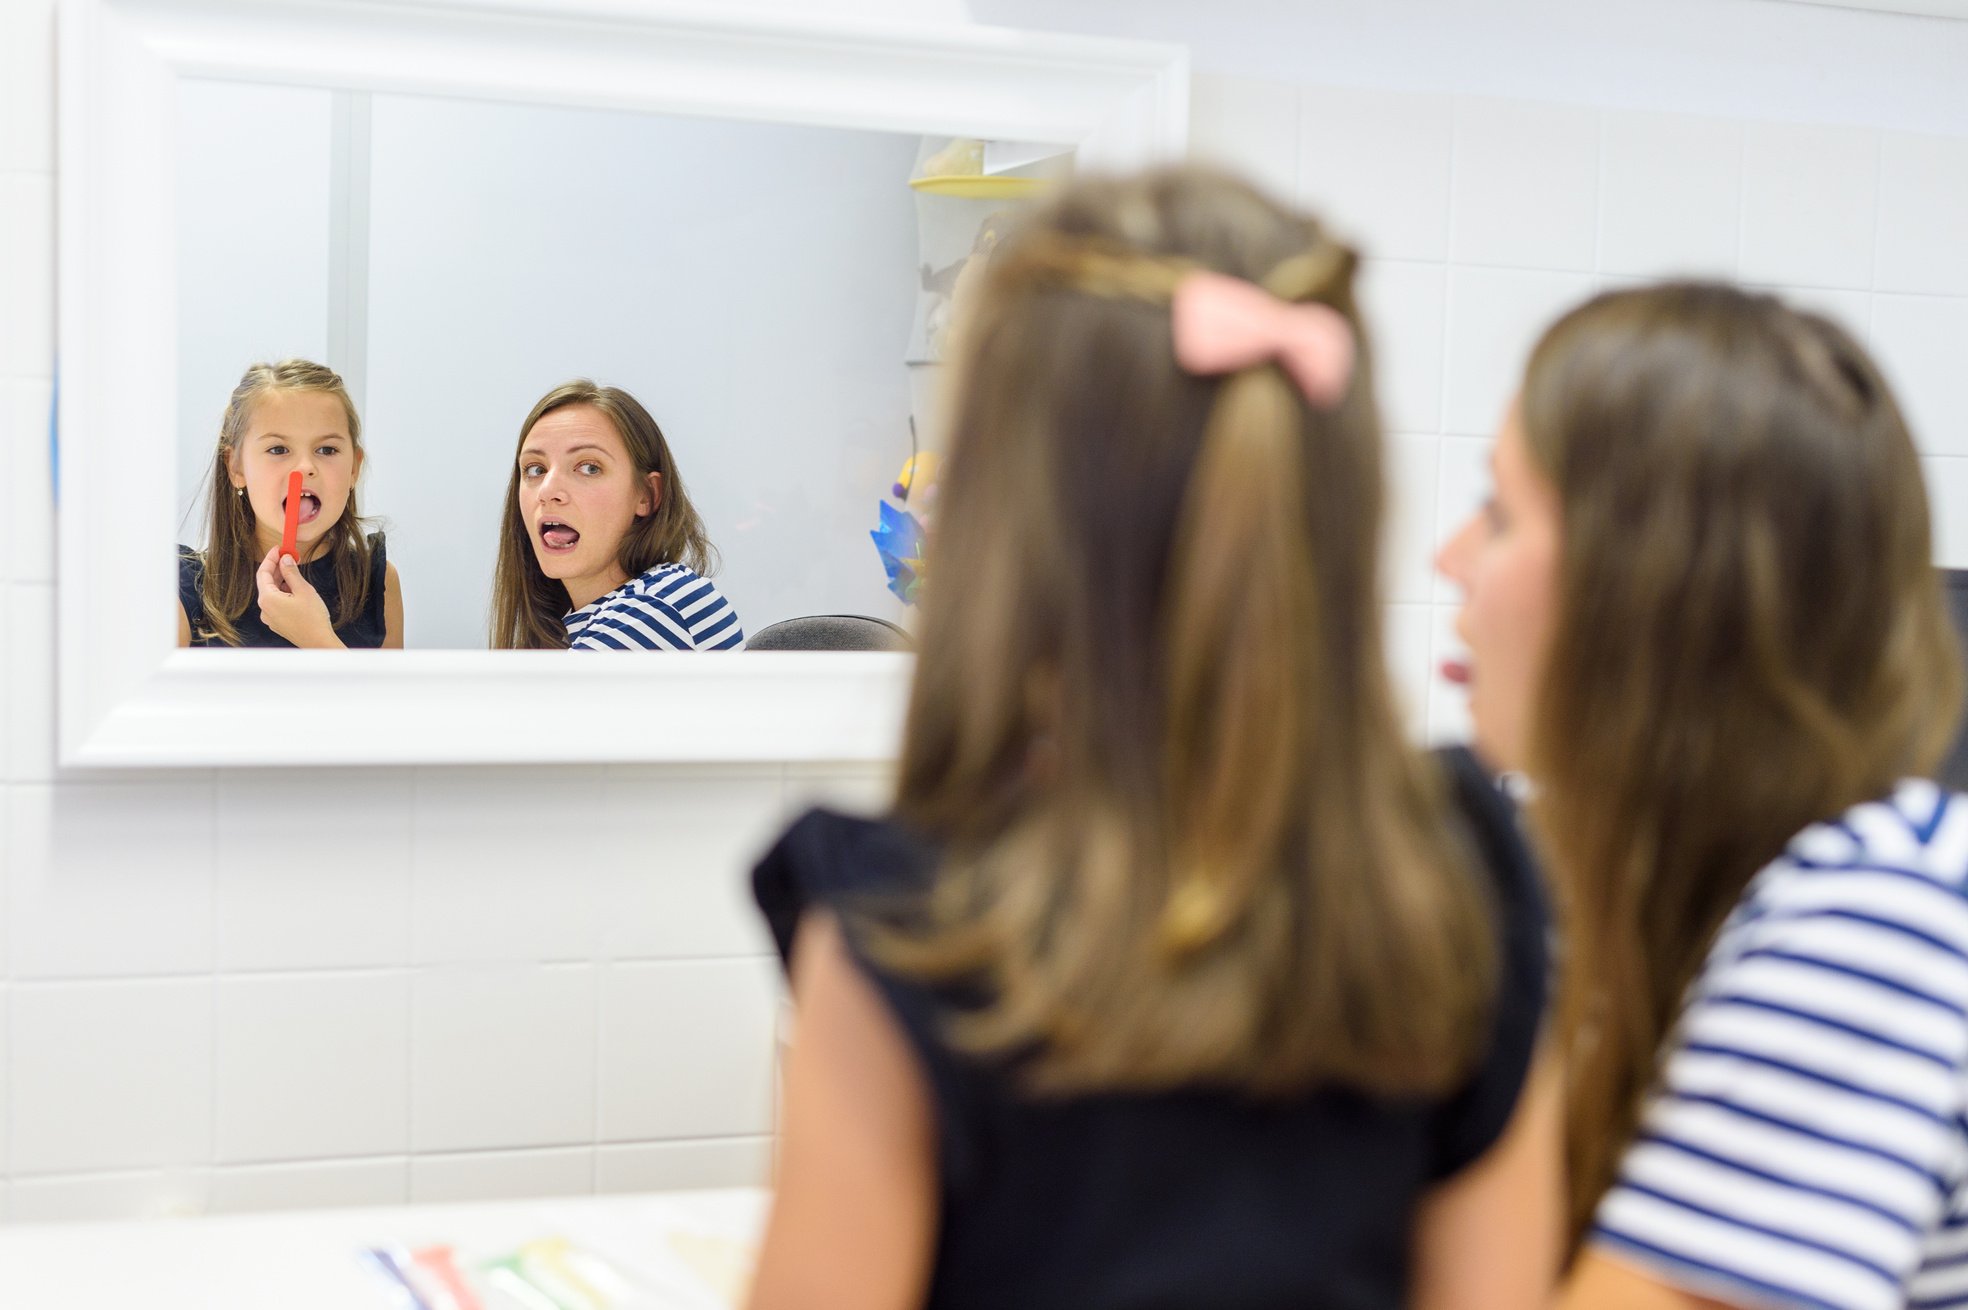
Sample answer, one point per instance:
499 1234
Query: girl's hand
291 606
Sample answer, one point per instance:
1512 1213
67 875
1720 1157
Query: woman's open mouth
310 507
557 538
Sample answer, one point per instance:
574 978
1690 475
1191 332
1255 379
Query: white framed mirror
147 91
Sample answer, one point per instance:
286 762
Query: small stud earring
239 491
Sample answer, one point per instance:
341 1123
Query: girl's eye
1493 514
276 450
328 452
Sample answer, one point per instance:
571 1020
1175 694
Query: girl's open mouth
310 507
558 537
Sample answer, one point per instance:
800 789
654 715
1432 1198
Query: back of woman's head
1750 638
1152 722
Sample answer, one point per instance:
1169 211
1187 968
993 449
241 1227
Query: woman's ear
648 503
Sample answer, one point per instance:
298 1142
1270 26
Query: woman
1700 615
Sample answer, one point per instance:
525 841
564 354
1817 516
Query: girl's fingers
296 581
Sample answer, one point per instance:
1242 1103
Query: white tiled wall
483 982
1482 218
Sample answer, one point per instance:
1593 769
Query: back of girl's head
528 607
1151 718
231 553
1750 636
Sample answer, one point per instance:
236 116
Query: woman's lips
1456 670
558 538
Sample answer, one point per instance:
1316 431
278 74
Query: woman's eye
531 470
589 467
1493 514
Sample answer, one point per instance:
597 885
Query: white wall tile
147 1194
1411 479
1495 317
1249 127
110 879
1448 705
1405 306
313 903
1922 344
30 545
1808 203
316 1184
1375 164
502 1057
30 689
27 86
1923 214
505 863
27 275
1410 641
687 1049
681 1166
566 1171
688 893
6 1119
1670 201
1947 501
1526 190
312 1066
110 1076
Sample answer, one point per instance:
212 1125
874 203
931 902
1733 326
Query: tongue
310 507
561 538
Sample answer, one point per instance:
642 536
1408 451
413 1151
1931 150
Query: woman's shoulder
1897 864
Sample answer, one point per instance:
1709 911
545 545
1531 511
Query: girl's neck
306 552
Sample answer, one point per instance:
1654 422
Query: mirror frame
127 696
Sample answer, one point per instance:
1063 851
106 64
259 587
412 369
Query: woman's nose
1452 556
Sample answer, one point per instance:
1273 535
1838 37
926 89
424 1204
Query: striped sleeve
678 611
1806 1135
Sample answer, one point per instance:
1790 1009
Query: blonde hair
1185 839
232 557
529 609
1751 638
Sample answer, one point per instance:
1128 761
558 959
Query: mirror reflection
555 377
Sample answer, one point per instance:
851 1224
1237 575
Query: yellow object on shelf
977 186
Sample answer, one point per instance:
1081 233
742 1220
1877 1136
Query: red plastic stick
290 536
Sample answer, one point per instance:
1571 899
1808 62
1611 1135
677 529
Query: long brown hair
232 555
529 609
1750 638
1186 841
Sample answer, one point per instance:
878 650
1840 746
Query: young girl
600 548
342 591
1700 614
1177 978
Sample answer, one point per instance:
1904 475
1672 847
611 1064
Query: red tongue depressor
290 536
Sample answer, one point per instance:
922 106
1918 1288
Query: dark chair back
831 632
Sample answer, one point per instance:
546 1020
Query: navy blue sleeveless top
366 630
1181 1199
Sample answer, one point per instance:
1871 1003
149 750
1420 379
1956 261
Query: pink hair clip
1224 324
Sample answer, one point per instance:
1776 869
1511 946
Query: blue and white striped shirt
667 608
1807 1144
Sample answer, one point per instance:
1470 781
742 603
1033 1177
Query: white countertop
679 1250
